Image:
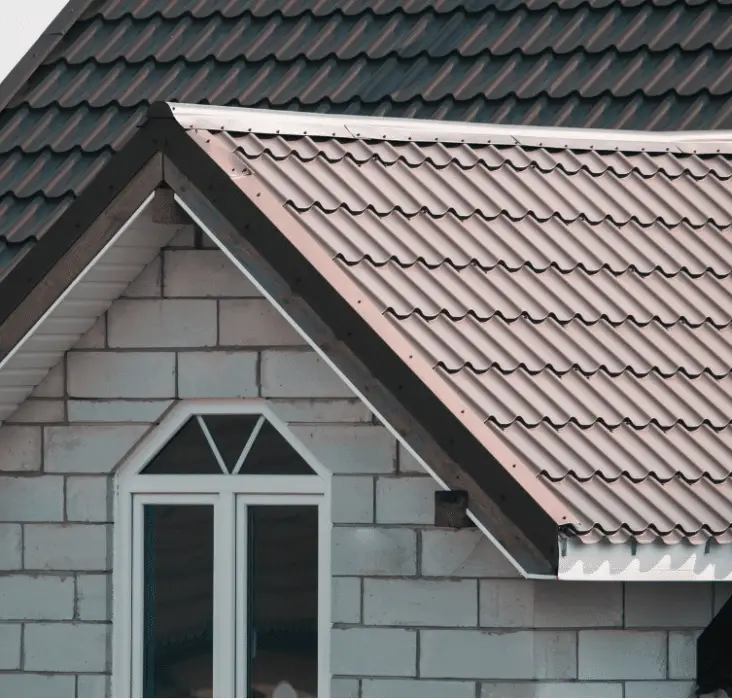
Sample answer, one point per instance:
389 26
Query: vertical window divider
242 583
138 598
224 642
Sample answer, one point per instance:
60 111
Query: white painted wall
417 611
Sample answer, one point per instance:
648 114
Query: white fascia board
656 561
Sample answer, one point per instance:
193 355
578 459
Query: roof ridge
285 123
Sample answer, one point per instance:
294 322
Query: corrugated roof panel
586 400
562 348
517 194
596 162
348 36
28 131
115 9
392 78
54 175
605 453
623 508
540 245
599 353
539 296
27 219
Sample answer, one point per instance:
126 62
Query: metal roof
577 302
85 86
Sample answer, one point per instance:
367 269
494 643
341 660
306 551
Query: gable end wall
425 612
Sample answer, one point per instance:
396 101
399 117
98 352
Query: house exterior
366 406
147 525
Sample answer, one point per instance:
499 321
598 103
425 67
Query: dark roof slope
641 64
570 293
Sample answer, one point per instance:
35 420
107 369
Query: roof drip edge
655 561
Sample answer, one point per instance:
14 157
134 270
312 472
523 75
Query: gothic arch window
222 559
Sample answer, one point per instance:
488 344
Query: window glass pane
188 452
283 600
272 454
178 601
230 433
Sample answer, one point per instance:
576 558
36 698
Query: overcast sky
21 23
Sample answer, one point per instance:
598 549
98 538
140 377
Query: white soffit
644 562
106 277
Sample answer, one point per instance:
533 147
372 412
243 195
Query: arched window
222 559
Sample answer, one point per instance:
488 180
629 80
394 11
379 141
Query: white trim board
279 122
644 562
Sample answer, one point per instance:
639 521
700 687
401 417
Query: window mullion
242 651
224 596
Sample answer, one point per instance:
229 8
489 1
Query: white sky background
21 23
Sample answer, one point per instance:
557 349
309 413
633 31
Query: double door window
228 581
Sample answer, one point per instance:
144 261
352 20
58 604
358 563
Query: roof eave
651 561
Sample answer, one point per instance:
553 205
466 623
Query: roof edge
283 123
652 561
41 48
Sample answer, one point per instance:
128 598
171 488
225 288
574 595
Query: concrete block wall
417 610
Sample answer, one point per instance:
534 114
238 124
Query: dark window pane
178 605
230 433
283 599
188 452
272 454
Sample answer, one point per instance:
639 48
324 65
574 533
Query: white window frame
231 494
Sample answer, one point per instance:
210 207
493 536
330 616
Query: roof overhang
162 153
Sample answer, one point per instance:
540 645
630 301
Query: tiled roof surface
640 64
578 302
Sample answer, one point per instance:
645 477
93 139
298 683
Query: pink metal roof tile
576 301
538 244
504 398
535 346
541 295
609 453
